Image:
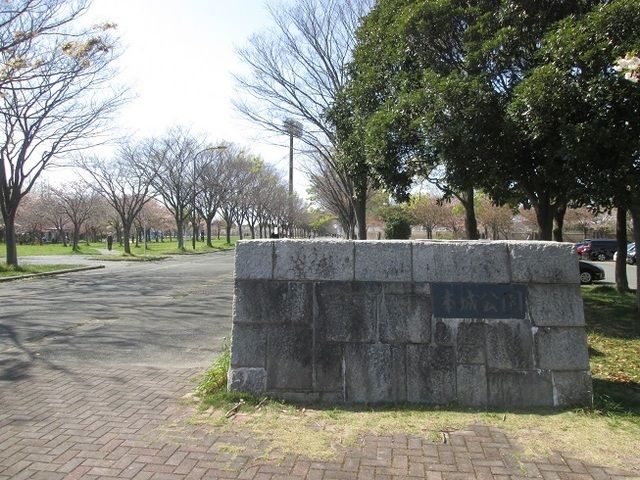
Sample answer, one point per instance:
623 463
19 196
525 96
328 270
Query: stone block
328 361
374 373
313 260
471 381
509 345
289 358
254 259
520 389
383 261
482 262
404 318
249 380
259 301
562 348
571 389
444 332
346 311
544 262
556 305
431 374
248 345
470 343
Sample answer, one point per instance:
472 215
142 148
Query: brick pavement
83 422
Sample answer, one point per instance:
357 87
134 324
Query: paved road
171 313
610 272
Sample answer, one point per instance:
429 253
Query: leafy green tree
431 85
576 103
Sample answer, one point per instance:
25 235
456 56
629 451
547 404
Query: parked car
580 246
599 249
590 273
632 258
630 246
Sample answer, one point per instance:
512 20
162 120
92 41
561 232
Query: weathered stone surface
248 345
470 343
346 311
249 380
289 358
485 262
431 375
404 318
273 302
544 262
556 305
254 259
383 261
443 332
520 389
572 388
471 381
374 373
313 260
559 348
328 361
509 345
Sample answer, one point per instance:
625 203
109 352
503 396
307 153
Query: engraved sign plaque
479 300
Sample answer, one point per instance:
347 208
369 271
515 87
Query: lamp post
294 129
193 197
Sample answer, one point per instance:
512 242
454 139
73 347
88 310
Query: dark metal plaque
479 300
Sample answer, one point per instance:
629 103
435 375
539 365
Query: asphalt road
610 272
173 313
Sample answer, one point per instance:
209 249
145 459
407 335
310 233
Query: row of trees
196 182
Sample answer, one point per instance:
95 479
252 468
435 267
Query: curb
53 272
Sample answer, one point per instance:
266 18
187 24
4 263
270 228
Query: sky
178 59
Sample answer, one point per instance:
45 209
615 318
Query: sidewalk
129 422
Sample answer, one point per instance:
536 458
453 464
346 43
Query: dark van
600 249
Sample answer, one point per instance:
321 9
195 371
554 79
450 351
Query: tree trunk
10 239
180 233
559 219
126 232
360 208
544 216
470 221
209 221
635 216
76 238
228 232
252 229
622 283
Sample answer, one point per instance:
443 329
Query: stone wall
467 323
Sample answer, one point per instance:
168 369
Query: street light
294 129
193 198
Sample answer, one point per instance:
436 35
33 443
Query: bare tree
297 69
215 182
330 192
172 160
77 203
124 182
55 97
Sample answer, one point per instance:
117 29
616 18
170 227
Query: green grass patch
11 271
132 258
613 327
171 248
608 434
48 249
